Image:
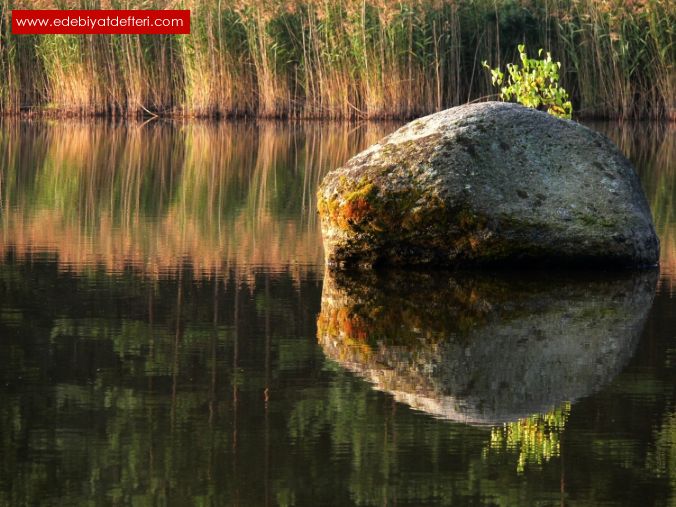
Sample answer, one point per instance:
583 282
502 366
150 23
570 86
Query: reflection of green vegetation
124 390
662 459
132 390
531 345
536 439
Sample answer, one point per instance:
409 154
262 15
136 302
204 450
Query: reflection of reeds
343 58
214 195
651 147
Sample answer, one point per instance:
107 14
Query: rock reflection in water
484 349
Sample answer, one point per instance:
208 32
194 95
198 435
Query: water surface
168 337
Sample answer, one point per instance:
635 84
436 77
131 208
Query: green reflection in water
662 458
127 391
158 306
536 439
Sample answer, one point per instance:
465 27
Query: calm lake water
168 337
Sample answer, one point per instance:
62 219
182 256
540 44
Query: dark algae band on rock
490 183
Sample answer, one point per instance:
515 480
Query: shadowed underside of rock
487 183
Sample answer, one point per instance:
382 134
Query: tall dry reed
343 58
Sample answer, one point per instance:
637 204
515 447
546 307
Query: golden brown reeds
343 58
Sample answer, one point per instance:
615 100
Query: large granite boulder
487 183
484 349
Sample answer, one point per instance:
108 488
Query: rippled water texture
168 337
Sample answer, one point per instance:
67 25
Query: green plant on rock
534 83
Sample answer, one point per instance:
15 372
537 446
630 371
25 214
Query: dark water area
168 337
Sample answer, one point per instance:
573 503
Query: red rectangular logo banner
100 21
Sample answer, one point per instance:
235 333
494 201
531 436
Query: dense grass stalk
343 58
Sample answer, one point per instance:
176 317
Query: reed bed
342 58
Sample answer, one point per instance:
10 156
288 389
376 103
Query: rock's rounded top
487 183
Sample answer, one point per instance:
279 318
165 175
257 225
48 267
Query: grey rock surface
487 183
484 349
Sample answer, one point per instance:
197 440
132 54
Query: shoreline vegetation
341 59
